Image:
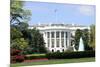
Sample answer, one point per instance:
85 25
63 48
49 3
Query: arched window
57 42
62 50
58 51
48 42
48 35
52 42
52 34
62 34
62 42
66 34
52 50
57 34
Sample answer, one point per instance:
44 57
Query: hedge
35 56
69 55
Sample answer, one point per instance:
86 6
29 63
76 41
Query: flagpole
55 15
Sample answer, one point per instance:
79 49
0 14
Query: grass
56 61
36 55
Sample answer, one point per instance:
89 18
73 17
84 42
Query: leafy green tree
15 10
92 36
78 34
18 13
37 41
17 40
19 43
21 37
85 37
15 33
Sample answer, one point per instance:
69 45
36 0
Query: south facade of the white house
58 37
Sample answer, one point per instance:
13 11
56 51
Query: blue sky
45 13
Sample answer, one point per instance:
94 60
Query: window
58 51
57 42
66 34
62 42
62 50
52 34
52 50
62 34
57 34
52 42
48 42
48 34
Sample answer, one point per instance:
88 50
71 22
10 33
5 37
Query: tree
23 38
78 34
19 37
19 43
18 13
15 10
15 33
85 37
17 40
36 41
92 36
18 16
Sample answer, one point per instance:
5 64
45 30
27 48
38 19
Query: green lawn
57 61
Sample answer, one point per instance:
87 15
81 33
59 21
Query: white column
45 38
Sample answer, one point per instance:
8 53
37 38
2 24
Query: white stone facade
58 36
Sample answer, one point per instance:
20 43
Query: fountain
81 45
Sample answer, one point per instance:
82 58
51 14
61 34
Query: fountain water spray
81 45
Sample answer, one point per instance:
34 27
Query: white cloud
86 10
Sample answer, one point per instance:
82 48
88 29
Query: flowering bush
15 52
16 56
19 58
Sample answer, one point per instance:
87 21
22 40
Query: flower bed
16 56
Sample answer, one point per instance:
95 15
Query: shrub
68 55
35 56
16 56
12 59
19 58
14 52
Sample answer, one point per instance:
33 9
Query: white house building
58 37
